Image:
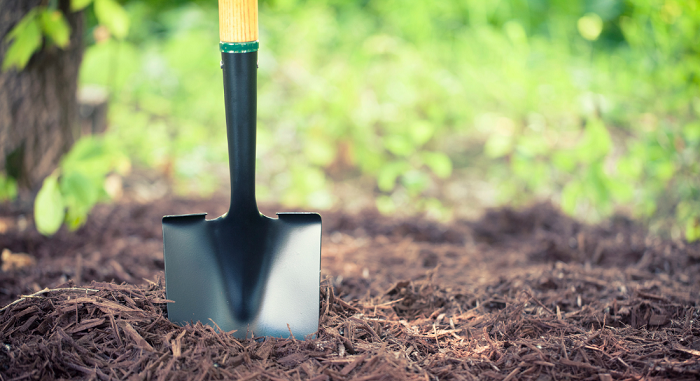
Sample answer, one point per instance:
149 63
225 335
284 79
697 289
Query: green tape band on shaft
239 47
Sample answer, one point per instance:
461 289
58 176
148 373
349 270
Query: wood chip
468 320
131 332
349 367
86 324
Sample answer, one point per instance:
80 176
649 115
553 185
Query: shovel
243 271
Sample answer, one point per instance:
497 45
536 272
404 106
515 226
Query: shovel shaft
238 20
240 82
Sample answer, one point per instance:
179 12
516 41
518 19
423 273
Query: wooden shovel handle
238 20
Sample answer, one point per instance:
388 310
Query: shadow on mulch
518 294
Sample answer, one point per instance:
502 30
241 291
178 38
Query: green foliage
590 103
77 185
26 37
110 14
49 207
590 26
692 229
55 26
79 5
8 188
439 163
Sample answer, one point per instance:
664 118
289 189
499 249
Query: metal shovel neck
240 97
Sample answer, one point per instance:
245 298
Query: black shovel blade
258 276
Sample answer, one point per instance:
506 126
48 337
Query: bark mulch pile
518 294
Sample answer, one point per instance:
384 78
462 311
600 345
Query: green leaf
26 22
49 208
596 142
630 167
515 32
664 170
564 161
622 191
692 229
498 145
55 26
439 163
78 190
386 178
8 188
415 181
26 39
533 172
399 145
421 132
78 5
86 149
370 161
92 157
691 132
112 15
597 185
590 26
570 196
532 145
76 217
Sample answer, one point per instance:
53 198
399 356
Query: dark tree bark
38 106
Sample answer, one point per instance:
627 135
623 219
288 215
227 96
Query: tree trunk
38 105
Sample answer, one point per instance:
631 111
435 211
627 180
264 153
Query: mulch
517 294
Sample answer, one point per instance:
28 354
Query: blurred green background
436 108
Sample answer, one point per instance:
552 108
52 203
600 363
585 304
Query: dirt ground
517 294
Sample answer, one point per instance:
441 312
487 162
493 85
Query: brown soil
527 294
